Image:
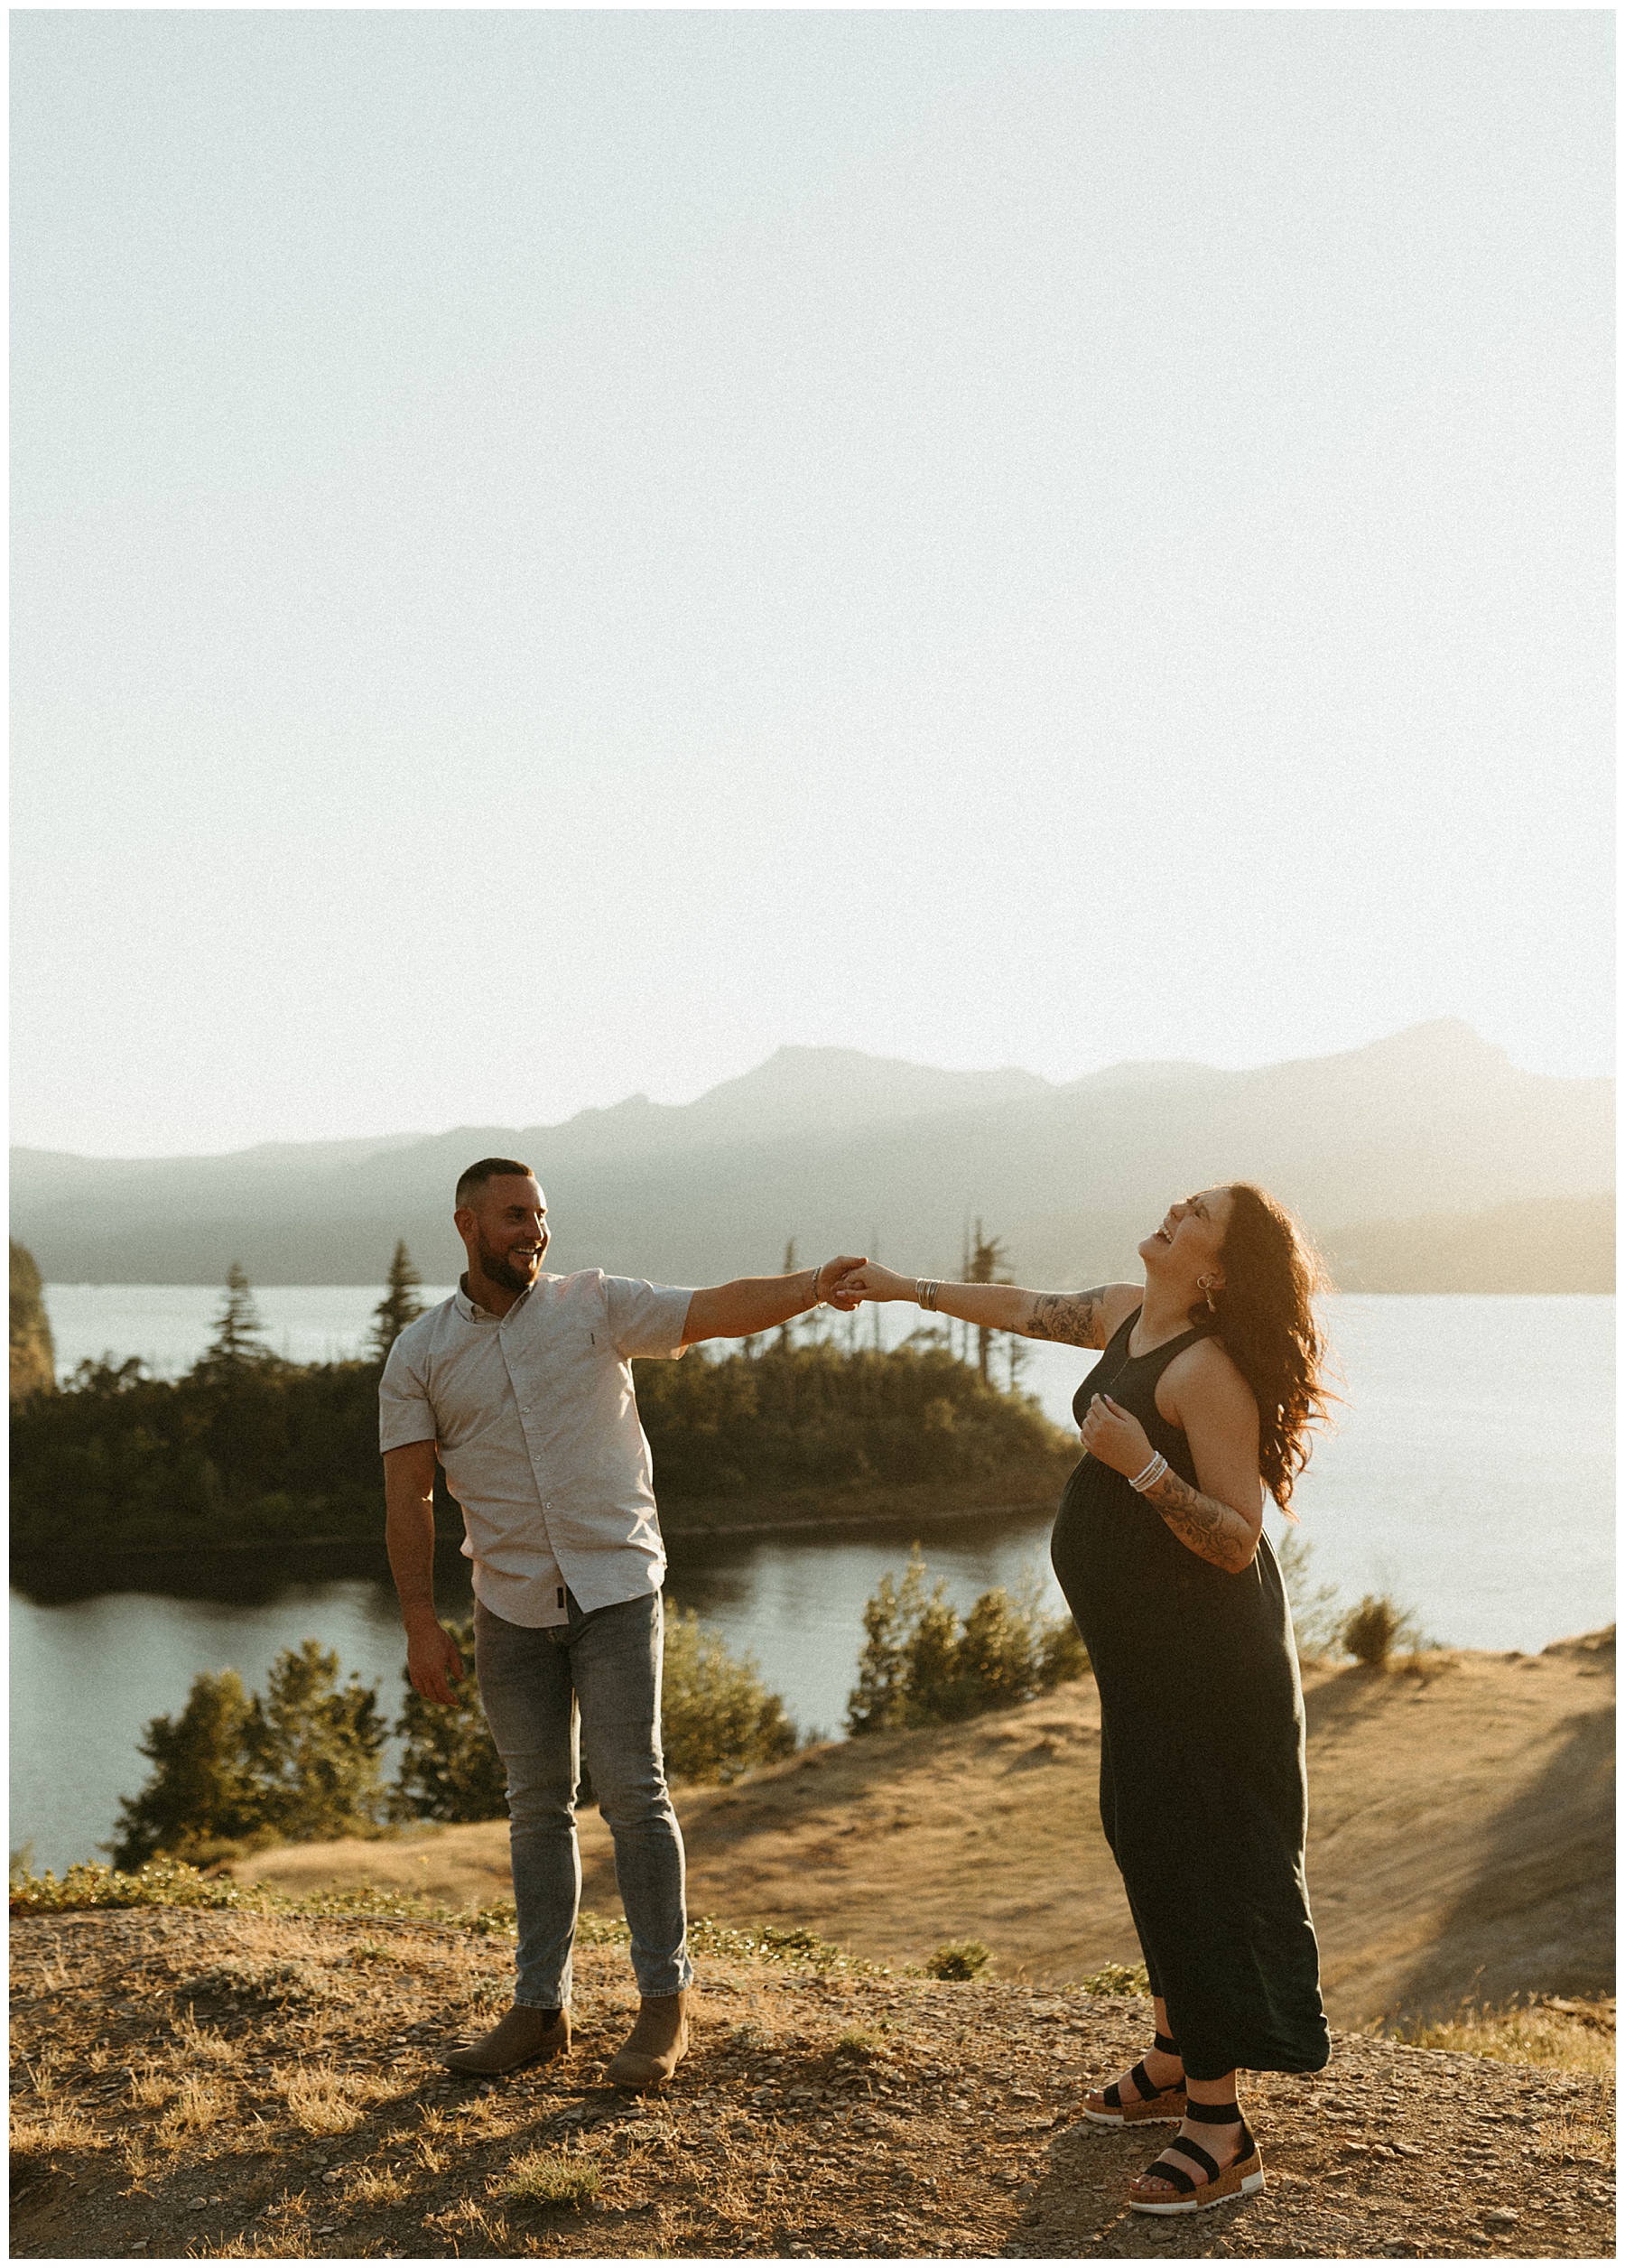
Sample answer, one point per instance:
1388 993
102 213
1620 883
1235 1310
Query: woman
1201 1399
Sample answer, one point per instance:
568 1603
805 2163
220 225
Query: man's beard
498 1268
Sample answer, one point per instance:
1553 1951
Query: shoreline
712 1525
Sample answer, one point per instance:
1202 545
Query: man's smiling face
506 1230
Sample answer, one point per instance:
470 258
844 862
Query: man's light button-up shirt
538 1431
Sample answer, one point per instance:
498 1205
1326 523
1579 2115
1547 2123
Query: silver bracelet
817 1302
1152 1474
925 1292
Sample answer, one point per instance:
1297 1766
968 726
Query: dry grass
482 2232
47 2071
35 2134
1573 2037
199 2104
378 2185
330 2101
205 2046
1572 2134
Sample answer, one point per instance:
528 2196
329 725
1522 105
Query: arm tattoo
1072 1317
1215 1532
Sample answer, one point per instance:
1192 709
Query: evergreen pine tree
200 1793
878 1702
239 1341
938 1691
313 1747
399 1306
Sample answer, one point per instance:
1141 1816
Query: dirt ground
1461 1837
217 2084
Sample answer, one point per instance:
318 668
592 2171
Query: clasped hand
866 1279
836 1281
1115 1438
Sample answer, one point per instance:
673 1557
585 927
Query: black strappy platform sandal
1243 2178
1149 2106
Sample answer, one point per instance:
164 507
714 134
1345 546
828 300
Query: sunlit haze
556 552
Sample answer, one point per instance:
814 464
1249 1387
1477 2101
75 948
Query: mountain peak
820 1090
1444 1043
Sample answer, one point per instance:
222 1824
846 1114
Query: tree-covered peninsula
247 1449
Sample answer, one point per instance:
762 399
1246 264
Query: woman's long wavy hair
1265 1318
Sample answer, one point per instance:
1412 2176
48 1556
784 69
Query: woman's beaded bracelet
1152 1474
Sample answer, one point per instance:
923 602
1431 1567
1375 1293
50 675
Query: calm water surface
1471 1475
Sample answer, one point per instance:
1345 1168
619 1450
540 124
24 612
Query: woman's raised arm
1077 1319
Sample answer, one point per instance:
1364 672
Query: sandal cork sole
1149 2106
1244 2179
1167 2108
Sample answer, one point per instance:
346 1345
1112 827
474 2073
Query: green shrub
233 1772
159 1882
1375 1628
920 1667
799 1948
312 1748
717 1718
1112 1979
200 1791
301 1764
958 1963
550 2177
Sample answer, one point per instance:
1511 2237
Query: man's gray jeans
589 1687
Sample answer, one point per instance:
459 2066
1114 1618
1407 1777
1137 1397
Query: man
521 1384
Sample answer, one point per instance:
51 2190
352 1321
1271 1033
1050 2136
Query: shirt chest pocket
548 1378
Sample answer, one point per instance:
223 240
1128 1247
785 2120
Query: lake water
1471 1476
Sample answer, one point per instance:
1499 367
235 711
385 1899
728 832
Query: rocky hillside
33 1355
230 2085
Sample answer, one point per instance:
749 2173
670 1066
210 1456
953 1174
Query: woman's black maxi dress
1202 1785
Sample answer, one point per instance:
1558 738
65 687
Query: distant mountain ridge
839 1149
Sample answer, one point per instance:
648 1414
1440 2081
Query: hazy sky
555 553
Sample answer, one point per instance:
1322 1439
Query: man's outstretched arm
756 1303
432 1656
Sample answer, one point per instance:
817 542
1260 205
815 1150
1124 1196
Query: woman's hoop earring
1205 1284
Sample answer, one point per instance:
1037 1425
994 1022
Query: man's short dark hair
485 1169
